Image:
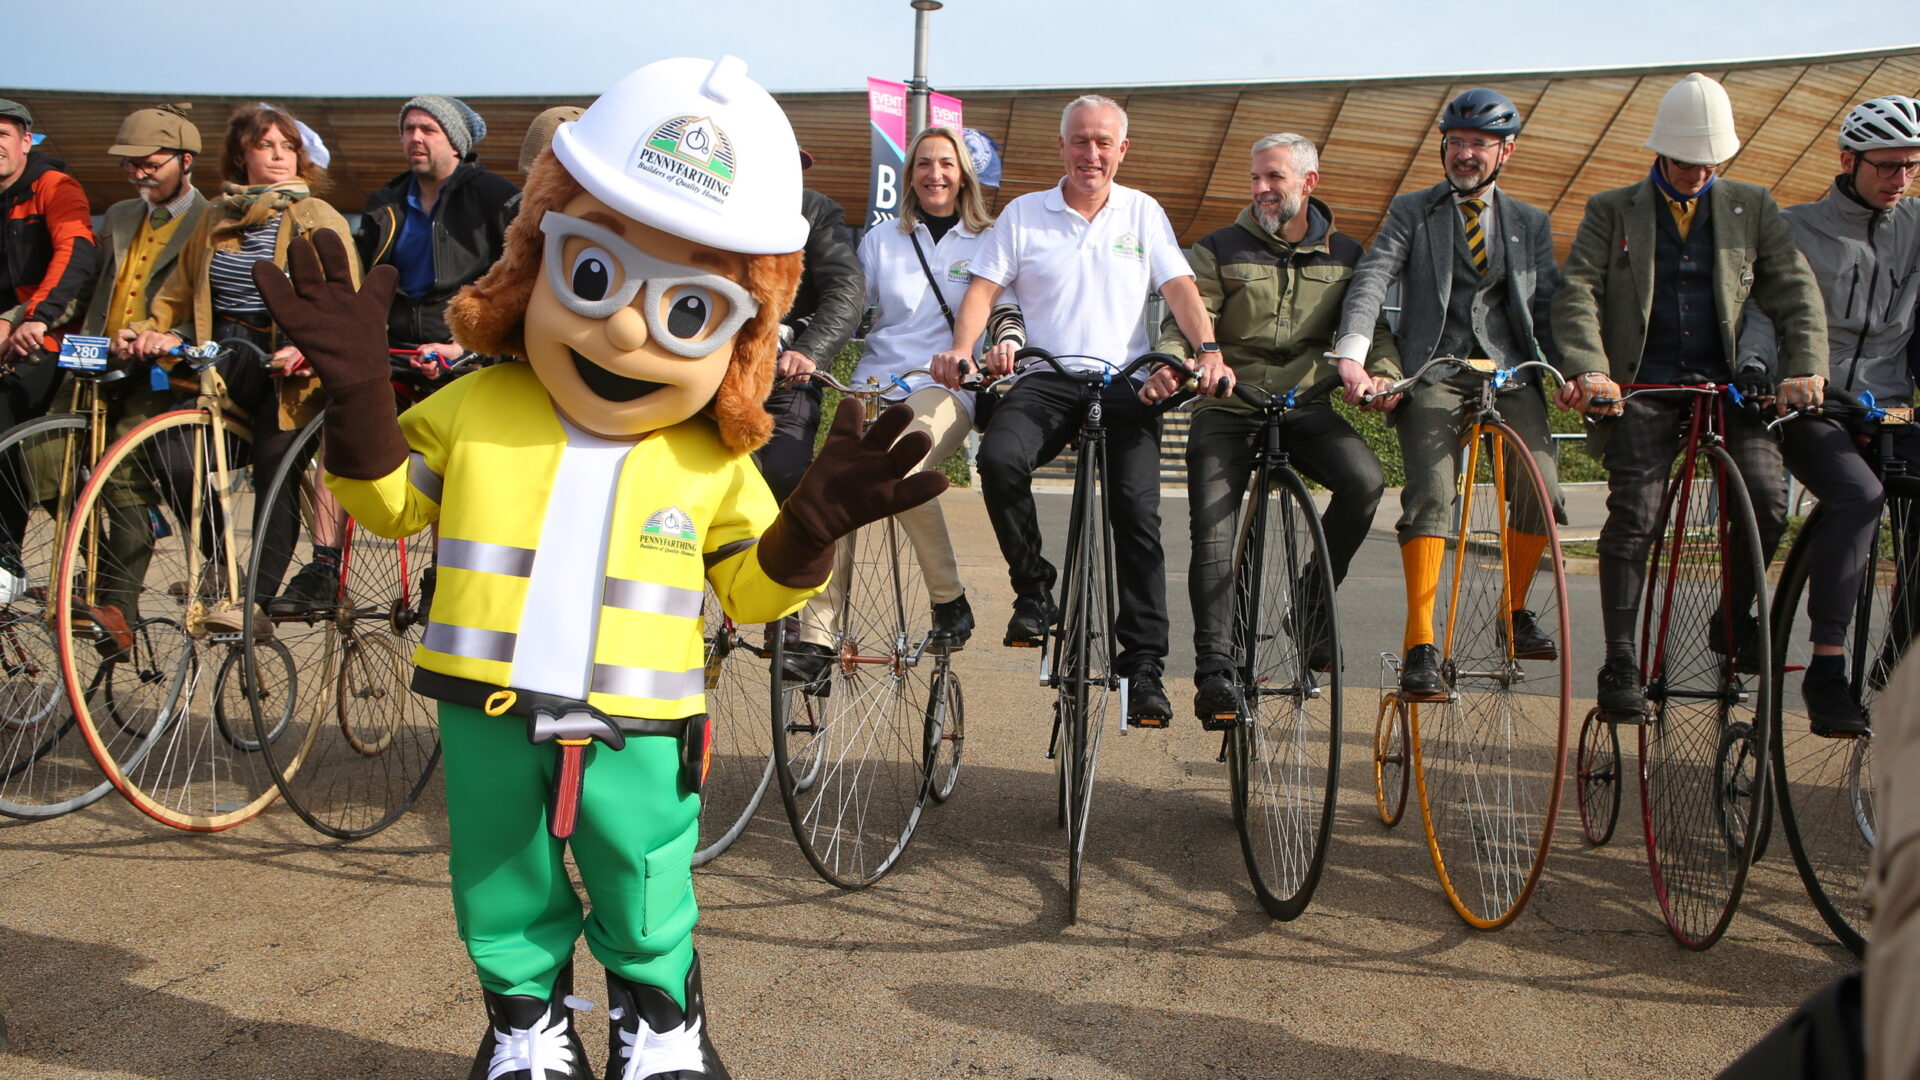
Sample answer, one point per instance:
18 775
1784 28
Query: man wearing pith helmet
1657 281
585 498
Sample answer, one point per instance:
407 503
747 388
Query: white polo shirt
908 325
1083 285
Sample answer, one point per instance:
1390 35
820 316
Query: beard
1273 216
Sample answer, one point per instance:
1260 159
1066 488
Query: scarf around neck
1666 189
247 206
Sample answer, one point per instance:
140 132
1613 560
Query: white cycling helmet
1891 121
1695 123
694 148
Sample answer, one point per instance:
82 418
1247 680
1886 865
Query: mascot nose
627 329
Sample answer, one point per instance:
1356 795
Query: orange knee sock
1420 560
1523 558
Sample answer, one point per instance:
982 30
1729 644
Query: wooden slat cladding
1584 133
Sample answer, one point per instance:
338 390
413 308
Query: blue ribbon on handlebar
1734 393
1290 394
1502 377
1873 409
901 383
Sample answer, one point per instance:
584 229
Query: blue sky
373 47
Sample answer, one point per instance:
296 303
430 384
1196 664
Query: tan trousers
938 412
1893 956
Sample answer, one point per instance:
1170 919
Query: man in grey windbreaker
1863 242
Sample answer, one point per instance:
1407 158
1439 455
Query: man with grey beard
141 237
1274 282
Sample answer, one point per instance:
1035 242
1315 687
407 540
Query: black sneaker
1619 694
1147 704
649 1035
1529 641
1031 618
1832 712
1215 703
530 1039
314 589
1746 635
1420 678
952 623
806 662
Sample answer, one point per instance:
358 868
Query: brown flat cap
149 131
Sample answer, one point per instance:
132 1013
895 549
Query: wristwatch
1210 347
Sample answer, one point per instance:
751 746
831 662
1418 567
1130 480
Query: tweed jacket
1416 247
116 236
1600 317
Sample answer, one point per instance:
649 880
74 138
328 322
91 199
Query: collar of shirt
1486 211
175 208
1057 198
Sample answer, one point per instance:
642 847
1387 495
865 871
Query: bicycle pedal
1012 644
1226 721
1156 723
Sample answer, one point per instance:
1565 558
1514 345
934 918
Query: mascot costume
585 497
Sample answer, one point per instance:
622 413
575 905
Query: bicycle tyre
1084 664
1392 760
1596 777
1488 762
45 767
174 765
349 745
1701 816
1824 786
1286 746
850 751
740 708
946 731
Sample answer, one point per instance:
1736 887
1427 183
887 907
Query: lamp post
917 88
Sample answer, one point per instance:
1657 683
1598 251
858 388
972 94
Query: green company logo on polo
692 153
959 271
1128 244
671 522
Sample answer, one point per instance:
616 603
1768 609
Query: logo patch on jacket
670 529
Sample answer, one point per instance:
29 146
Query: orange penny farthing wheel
1488 754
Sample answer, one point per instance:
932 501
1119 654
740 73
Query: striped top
231 272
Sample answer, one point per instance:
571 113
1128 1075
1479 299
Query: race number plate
1481 363
1900 415
81 352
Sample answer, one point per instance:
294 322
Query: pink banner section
887 119
944 111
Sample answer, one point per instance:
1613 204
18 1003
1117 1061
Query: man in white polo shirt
1082 257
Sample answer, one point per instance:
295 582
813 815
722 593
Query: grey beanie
462 125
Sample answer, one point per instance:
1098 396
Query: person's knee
1002 461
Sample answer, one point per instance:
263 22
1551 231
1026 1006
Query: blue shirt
413 248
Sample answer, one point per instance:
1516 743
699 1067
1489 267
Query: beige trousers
938 412
1893 957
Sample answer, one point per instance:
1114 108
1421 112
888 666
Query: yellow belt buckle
499 702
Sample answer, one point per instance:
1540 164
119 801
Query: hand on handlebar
1371 392
148 344
1215 378
1592 392
1161 385
794 365
952 366
1801 392
288 360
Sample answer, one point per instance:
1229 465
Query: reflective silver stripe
486 558
423 478
648 683
469 641
658 599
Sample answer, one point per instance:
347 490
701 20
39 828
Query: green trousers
515 907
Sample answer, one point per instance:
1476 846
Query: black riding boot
530 1039
649 1036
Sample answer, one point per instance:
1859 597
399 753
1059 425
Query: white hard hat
1891 122
694 148
1695 123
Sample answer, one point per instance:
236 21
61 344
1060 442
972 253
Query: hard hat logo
691 153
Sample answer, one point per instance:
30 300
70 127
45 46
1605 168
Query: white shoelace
649 1053
536 1050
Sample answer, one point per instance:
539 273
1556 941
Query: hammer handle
566 787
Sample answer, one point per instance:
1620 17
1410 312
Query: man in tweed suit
1476 273
1655 285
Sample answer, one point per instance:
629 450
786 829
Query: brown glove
343 334
856 479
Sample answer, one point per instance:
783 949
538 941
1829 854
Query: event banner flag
887 112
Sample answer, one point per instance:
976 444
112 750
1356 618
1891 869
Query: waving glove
343 334
856 479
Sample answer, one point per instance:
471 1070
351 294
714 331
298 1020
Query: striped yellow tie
1476 240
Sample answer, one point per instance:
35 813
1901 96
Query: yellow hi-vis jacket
685 512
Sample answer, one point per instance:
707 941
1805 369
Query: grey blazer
122 222
1415 247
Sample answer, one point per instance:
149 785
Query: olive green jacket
1275 305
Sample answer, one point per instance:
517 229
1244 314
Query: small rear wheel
1596 777
1392 760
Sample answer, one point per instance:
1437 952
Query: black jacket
469 233
833 293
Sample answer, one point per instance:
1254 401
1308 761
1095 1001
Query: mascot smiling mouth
609 386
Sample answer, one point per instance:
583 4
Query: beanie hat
462 125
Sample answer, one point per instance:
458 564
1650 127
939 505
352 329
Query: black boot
952 623
670 1043
530 1039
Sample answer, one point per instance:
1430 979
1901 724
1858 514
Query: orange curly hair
488 316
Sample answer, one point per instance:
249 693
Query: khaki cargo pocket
669 886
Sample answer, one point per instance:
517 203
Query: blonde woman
916 271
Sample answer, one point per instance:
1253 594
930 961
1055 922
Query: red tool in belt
572 731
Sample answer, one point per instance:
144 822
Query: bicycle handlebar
1843 404
1502 378
1107 372
465 358
207 353
1292 399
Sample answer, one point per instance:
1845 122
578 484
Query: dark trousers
26 393
1222 446
796 420
1825 457
1035 421
1641 446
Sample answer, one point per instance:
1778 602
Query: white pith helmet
1884 123
1695 123
694 148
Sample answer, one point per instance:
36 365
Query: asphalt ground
130 950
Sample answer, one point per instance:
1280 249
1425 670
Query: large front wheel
1488 760
1286 746
741 685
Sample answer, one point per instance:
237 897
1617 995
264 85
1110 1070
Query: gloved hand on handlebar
1754 384
343 334
854 480
1801 392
